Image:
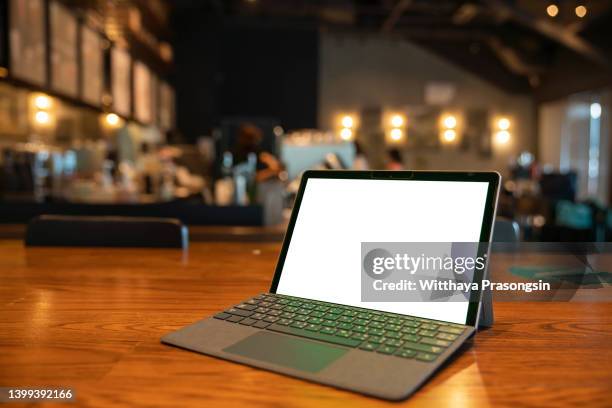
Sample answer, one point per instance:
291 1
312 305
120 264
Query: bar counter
91 320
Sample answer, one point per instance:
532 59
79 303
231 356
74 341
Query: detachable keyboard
381 332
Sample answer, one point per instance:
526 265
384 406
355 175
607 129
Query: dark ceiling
514 44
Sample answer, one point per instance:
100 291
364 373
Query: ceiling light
595 110
552 10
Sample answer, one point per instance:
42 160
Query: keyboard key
316 336
275 313
392 334
261 324
345 319
245 306
317 314
411 324
345 326
343 333
239 312
427 333
428 326
405 353
328 330
329 323
359 329
284 322
291 309
336 310
262 310
376 325
393 342
375 339
395 320
426 357
313 327
392 327
315 320
386 349
252 301
446 336
287 315
258 316
411 337
409 330
359 336
376 332
271 319
299 325
222 316
423 347
367 346
248 321
436 342
450 330
295 303
301 318
350 313
360 322
234 319
276 306
322 308
330 316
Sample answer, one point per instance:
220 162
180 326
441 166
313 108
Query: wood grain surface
91 319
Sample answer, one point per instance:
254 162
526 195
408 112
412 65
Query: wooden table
91 319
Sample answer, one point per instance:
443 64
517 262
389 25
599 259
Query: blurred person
361 160
394 160
249 140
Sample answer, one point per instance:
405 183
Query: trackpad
293 352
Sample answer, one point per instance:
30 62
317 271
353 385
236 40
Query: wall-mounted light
42 118
552 10
449 135
502 137
396 134
580 11
347 126
502 130
346 134
449 128
42 102
395 127
397 121
111 120
348 121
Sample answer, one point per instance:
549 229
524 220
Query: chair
108 231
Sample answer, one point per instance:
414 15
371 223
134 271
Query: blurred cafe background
210 110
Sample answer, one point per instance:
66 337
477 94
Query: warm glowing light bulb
396 134
552 10
503 123
581 11
397 121
347 122
502 137
42 102
112 119
346 134
42 117
449 135
450 122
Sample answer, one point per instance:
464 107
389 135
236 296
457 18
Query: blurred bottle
224 186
